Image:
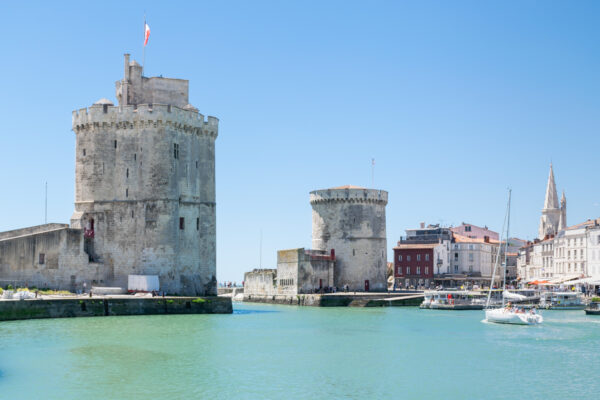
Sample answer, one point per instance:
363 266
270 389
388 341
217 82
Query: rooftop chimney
422 225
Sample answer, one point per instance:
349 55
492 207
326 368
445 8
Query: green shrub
596 299
9 287
198 300
170 301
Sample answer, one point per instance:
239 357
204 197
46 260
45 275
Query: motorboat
593 308
561 301
453 300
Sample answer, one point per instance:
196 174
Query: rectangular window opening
42 258
84 152
126 192
115 144
181 223
197 224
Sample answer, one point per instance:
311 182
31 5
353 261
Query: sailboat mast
506 244
498 254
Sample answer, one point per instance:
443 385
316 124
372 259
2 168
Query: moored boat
561 301
593 308
453 300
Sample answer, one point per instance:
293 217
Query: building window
456 268
426 270
42 258
196 164
407 258
399 270
456 256
470 268
181 223
176 151
418 270
127 173
134 157
197 224
126 192
131 213
418 257
353 252
84 152
467 228
407 270
115 144
426 257
470 256
400 256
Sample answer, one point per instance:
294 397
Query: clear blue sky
456 101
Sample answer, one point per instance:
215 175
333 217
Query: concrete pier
341 299
109 306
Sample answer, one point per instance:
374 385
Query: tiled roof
465 239
589 222
417 246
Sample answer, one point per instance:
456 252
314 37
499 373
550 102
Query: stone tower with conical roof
554 217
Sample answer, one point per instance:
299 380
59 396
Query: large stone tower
351 221
554 217
145 184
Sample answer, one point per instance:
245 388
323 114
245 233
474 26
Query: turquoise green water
277 352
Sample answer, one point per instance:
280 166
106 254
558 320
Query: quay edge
11 310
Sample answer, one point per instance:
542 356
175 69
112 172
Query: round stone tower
351 221
145 185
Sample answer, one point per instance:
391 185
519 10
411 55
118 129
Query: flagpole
144 46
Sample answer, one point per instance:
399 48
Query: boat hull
592 312
502 316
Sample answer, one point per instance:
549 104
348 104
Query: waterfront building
414 264
474 231
144 197
473 257
421 254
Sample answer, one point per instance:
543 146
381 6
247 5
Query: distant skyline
455 101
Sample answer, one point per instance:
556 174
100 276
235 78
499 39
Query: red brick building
413 265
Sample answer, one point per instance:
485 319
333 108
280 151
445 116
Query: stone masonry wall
353 223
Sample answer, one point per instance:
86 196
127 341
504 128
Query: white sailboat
508 314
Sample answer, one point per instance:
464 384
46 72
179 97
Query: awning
591 281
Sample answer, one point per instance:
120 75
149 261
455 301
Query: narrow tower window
181 223
126 192
131 213
176 151
127 173
196 162
115 144
134 157
197 224
84 152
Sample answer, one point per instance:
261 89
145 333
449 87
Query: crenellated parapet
349 195
107 116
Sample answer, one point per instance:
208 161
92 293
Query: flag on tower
146 33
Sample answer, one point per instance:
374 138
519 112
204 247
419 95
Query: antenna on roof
46 205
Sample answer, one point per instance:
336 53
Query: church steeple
551 200
562 223
552 213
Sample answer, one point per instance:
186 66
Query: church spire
551 200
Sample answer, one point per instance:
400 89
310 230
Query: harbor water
286 352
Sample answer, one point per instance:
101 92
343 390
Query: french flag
146 33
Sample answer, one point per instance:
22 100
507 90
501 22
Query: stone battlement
107 116
347 195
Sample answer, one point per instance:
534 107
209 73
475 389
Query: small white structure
143 283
